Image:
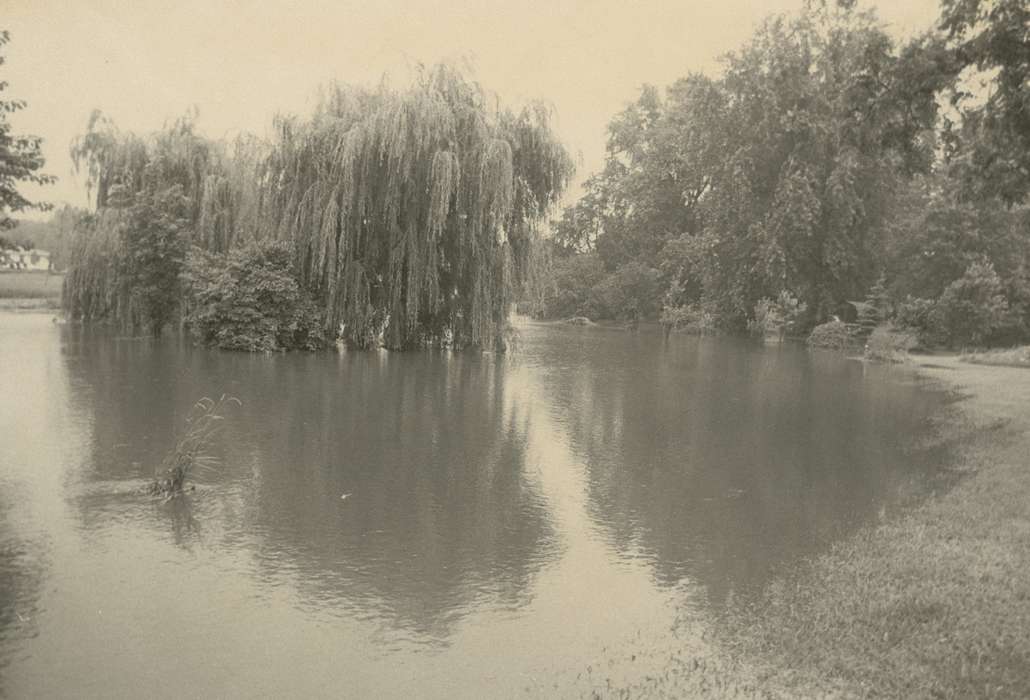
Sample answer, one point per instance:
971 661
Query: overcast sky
143 62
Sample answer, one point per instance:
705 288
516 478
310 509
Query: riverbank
30 291
1011 357
931 603
935 603
29 305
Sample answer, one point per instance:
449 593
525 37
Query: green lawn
932 602
30 285
1011 357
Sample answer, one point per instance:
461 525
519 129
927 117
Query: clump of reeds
193 449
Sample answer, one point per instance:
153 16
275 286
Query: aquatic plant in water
192 451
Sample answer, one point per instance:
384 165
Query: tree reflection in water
725 462
427 446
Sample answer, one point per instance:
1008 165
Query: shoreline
930 603
22 305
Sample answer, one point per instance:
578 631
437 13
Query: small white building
24 259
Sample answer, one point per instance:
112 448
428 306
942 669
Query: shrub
791 310
630 292
690 318
869 317
674 317
249 300
918 314
973 307
887 344
776 316
568 292
835 334
766 318
1015 328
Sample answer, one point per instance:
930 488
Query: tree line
827 163
403 217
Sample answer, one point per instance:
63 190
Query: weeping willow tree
413 214
93 289
120 164
125 260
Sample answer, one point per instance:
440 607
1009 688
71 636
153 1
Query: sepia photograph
472 349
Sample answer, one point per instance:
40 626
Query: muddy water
424 524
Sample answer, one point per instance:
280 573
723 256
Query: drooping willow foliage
413 214
131 179
93 289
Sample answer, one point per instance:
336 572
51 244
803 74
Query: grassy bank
30 290
1010 357
932 603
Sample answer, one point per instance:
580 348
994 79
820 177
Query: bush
249 300
973 307
1015 328
776 316
918 315
766 318
630 292
835 334
568 292
887 344
690 318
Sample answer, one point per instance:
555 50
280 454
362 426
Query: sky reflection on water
508 521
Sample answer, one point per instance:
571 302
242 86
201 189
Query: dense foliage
249 300
835 335
153 237
411 216
21 158
569 290
127 261
828 164
993 157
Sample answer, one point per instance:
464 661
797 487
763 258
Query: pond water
512 526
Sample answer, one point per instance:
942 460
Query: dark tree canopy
826 164
777 177
993 36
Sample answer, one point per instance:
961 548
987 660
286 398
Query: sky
145 62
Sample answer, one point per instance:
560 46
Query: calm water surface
511 522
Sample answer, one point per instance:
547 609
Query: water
511 526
